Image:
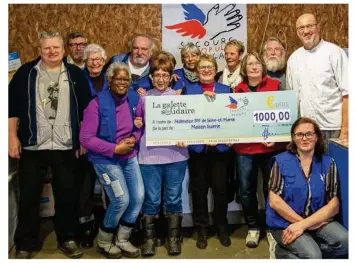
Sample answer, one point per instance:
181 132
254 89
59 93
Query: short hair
238 44
319 148
243 65
190 48
207 57
73 35
152 42
93 48
163 64
274 39
166 55
112 69
50 35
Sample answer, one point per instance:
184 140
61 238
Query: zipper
29 105
76 100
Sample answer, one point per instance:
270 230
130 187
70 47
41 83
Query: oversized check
228 118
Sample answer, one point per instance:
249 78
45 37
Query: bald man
318 72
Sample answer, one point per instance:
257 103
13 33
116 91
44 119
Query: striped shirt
276 185
160 154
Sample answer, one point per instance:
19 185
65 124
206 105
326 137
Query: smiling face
141 51
305 137
232 55
190 60
94 63
51 50
120 82
254 68
308 30
161 80
206 71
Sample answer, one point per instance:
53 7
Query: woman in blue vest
94 57
109 135
303 199
188 74
208 164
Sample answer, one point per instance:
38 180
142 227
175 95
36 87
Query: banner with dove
209 26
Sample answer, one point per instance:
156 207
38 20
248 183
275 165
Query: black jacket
22 101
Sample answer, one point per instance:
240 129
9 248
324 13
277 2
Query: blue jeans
172 175
329 241
124 187
248 167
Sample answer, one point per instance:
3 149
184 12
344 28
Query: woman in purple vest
162 165
303 199
109 135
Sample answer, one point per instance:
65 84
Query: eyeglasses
164 77
92 60
76 45
209 68
301 29
256 64
276 50
300 135
117 80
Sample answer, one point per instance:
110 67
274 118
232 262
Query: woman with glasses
303 198
111 138
94 57
208 164
162 165
188 74
252 156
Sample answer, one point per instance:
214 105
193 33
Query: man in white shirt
318 72
138 60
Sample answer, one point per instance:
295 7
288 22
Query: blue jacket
295 189
142 82
182 82
22 101
92 89
194 89
108 124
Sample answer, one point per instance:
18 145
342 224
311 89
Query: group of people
83 116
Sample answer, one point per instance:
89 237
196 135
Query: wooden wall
112 25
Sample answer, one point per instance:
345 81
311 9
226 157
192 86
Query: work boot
223 236
87 234
122 237
70 249
201 237
174 234
148 248
106 246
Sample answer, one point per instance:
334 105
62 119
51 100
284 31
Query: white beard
274 65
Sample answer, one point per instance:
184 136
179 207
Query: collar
71 61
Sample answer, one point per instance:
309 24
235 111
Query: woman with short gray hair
190 54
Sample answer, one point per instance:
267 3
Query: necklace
52 85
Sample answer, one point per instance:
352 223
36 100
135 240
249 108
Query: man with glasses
47 98
318 72
76 43
274 56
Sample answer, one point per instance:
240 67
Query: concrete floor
189 250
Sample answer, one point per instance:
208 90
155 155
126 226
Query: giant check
228 118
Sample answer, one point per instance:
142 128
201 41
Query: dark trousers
86 176
248 168
31 182
209 170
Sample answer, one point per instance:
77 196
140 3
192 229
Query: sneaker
70 249
252 239
272 244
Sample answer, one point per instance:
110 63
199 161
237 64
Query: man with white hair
138 60
275 60
318 72
47 97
